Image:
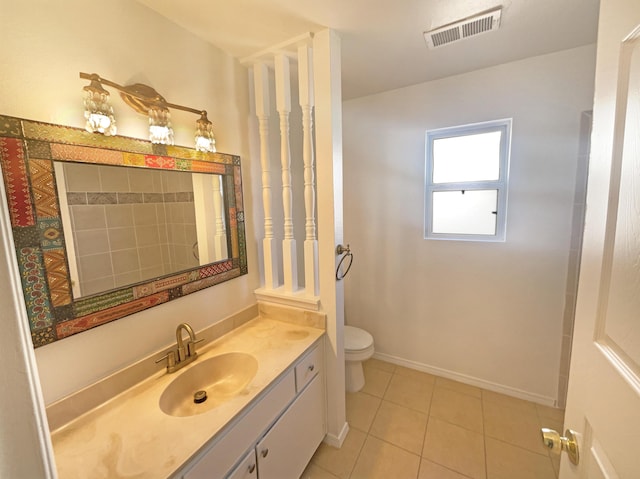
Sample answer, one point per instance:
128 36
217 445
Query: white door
603 404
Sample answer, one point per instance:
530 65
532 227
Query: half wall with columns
297 132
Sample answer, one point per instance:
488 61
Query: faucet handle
191 347
170 357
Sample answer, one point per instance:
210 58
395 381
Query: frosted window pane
469 213
467 158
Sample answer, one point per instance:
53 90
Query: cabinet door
286 449
247 469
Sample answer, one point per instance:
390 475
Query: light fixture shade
205 141
97 110
160 130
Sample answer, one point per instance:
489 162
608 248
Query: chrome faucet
185 353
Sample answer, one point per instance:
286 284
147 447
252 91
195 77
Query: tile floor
407 424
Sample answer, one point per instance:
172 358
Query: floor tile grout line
543 454
523 449
386 388
324 469
518 447
458 425
419 456
425 428
424 437
461 425
375 415
404 406
422 457
355 463
448 388
444 467
395 445
484 436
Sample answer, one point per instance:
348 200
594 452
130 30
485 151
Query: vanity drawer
233 444
308 367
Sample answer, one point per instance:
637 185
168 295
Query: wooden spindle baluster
305 82
261 87
283 105
220 240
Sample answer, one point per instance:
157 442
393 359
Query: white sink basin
221 378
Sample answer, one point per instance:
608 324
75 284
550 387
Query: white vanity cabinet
276 438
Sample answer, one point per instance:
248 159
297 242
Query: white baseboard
463 378
336 441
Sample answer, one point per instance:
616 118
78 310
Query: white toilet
358 347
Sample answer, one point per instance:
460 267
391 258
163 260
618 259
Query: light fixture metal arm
186 108
154 99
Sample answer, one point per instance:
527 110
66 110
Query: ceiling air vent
453 32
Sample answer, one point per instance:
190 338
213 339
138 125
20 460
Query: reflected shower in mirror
126 225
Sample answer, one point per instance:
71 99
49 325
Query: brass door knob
557 443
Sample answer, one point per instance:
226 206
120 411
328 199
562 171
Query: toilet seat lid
356 339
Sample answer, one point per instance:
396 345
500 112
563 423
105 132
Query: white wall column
261 90
283 105
25 444
210 225
328 115
305 82
220 238
204 209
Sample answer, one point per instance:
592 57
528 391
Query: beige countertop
130 437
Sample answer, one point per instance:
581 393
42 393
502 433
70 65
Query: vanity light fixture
205 141
160 130
143 99
97 110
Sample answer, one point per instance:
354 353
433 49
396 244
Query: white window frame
501 184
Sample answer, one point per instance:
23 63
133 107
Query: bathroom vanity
282 450
268 428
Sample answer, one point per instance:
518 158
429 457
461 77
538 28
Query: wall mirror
108 226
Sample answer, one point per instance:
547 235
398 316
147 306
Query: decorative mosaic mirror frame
27 151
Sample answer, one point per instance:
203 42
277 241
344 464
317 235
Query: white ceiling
382 43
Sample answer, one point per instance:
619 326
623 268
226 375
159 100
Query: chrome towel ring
346 251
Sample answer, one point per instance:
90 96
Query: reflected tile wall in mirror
126 226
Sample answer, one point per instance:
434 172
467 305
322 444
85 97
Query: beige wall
45 46
486 313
